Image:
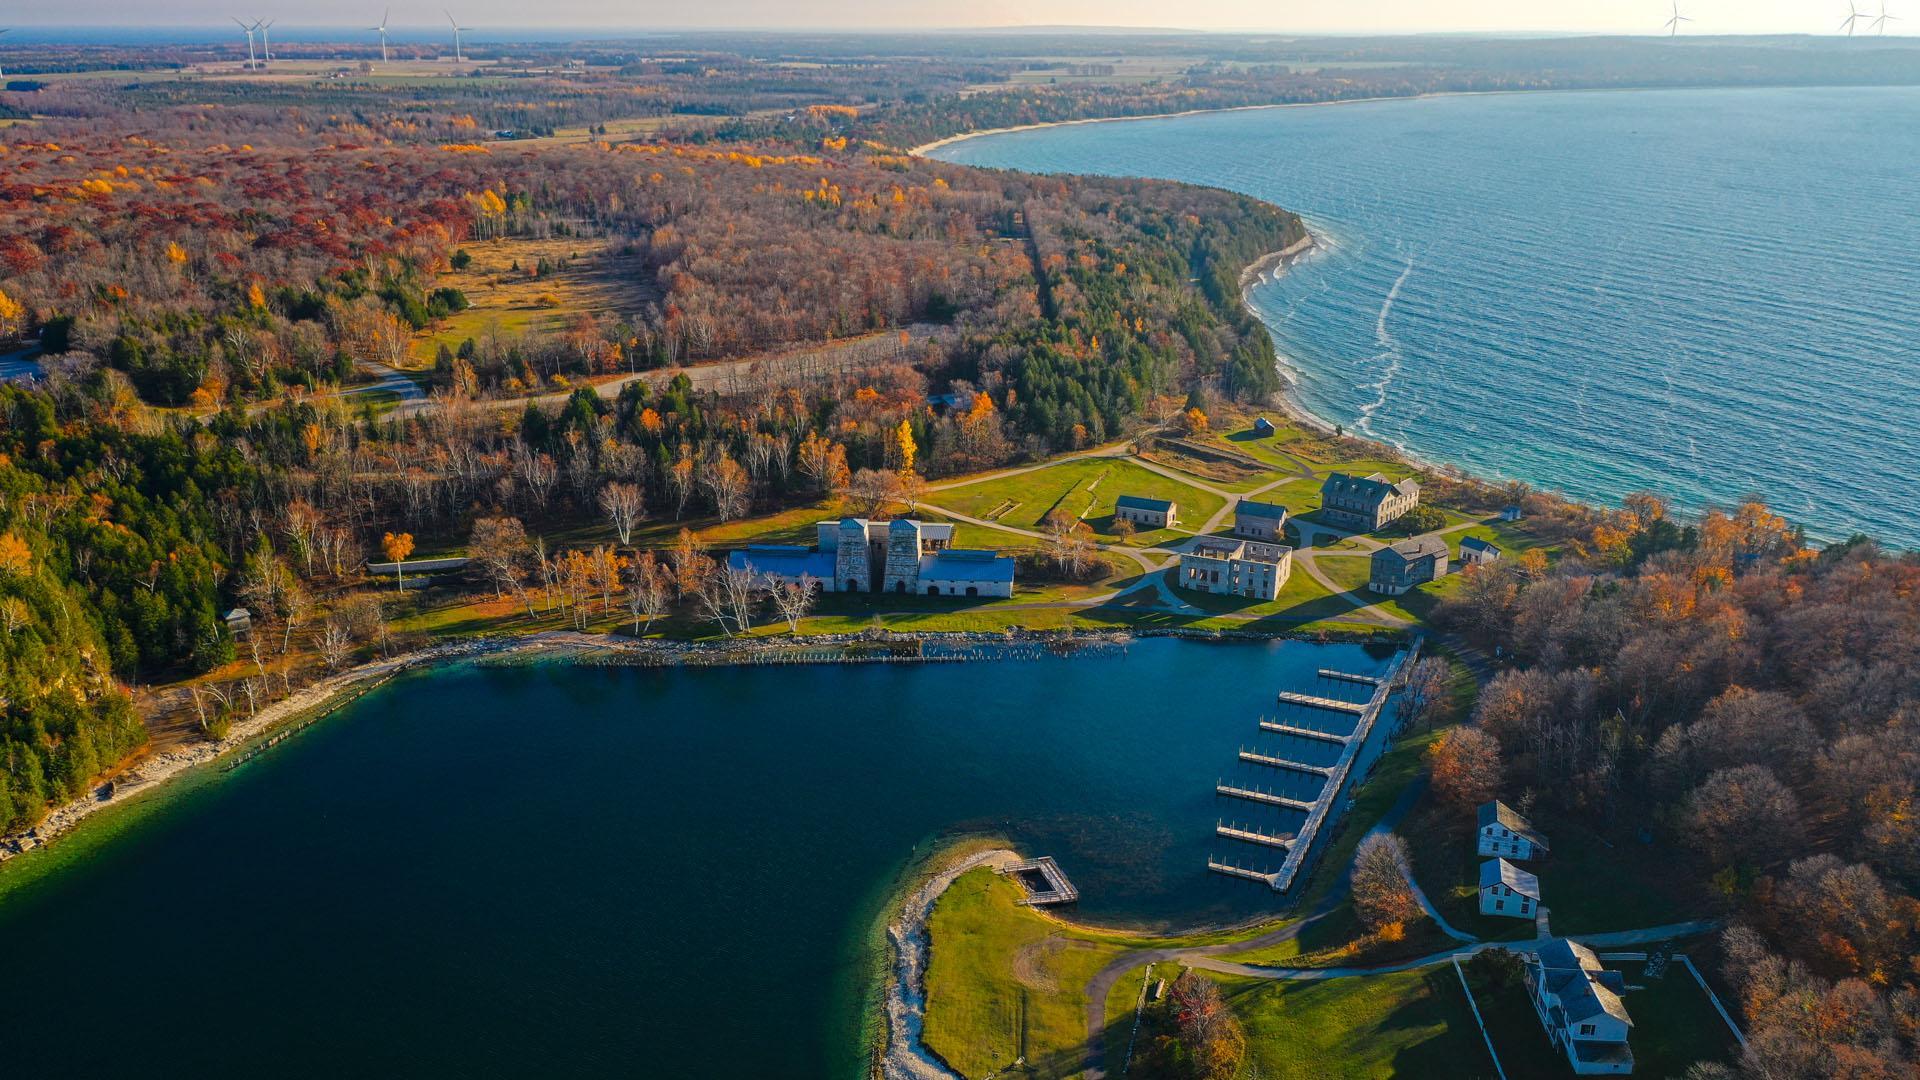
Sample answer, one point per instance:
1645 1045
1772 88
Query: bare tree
728 485
794 599
727 599
624 505
1425 695
335 643
649 591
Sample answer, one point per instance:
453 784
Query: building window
1586 1029
1499 905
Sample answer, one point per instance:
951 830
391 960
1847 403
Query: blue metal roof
962 564
783 561
1141 502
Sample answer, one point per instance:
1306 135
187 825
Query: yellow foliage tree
16 558
904 446
12 315
398 546
176 254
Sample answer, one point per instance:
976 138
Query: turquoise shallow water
1705 293
558 871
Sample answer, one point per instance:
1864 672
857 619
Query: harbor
1298 774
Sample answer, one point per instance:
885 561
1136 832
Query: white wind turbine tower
382 31
1673 24
266 43
1853 16
250 31
9 30
1879 25
457 28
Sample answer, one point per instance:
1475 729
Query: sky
1305 16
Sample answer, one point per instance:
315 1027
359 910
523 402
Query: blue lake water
1704 293
560 871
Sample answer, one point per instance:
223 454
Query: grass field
510 302
1410 1024
1005 983
1085 487
1674 1026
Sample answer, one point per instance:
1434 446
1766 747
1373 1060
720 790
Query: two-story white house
1504 834
1578 1002
1507 890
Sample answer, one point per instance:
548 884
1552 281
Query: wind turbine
382 31
9 30
1879 25
266 43
1853 16
250 31
457 28
1673 24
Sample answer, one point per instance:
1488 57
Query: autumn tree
1746 817
1380 880
1426 695
498 545
397 547
1466 766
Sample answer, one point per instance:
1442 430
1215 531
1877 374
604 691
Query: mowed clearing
508 298
1085 488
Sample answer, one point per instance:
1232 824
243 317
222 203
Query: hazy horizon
1709 17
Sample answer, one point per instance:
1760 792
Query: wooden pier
1291 697
1266 797
1058 891
1251 836
1303 732
1239 872
1348 676
1271 762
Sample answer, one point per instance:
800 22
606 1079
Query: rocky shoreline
907 1057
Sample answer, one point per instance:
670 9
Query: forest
203 282
1756 701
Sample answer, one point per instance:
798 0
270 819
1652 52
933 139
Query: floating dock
1289 697
1303 732
1058 891
1241 872
1348 676
1251 836
1271 762
1266 797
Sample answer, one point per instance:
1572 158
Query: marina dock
1055 888
1333 777
1305 733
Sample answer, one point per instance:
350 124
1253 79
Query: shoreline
253 734
926 148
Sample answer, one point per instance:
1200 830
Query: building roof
963 564
1373 488
1216 549
1497 812
1501 872
1474 543
1261 423
1420 547
1584 986
783 561
1141 502
1271 511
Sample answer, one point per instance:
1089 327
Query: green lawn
1674 1026
1409 1024
1086 487
1005 983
